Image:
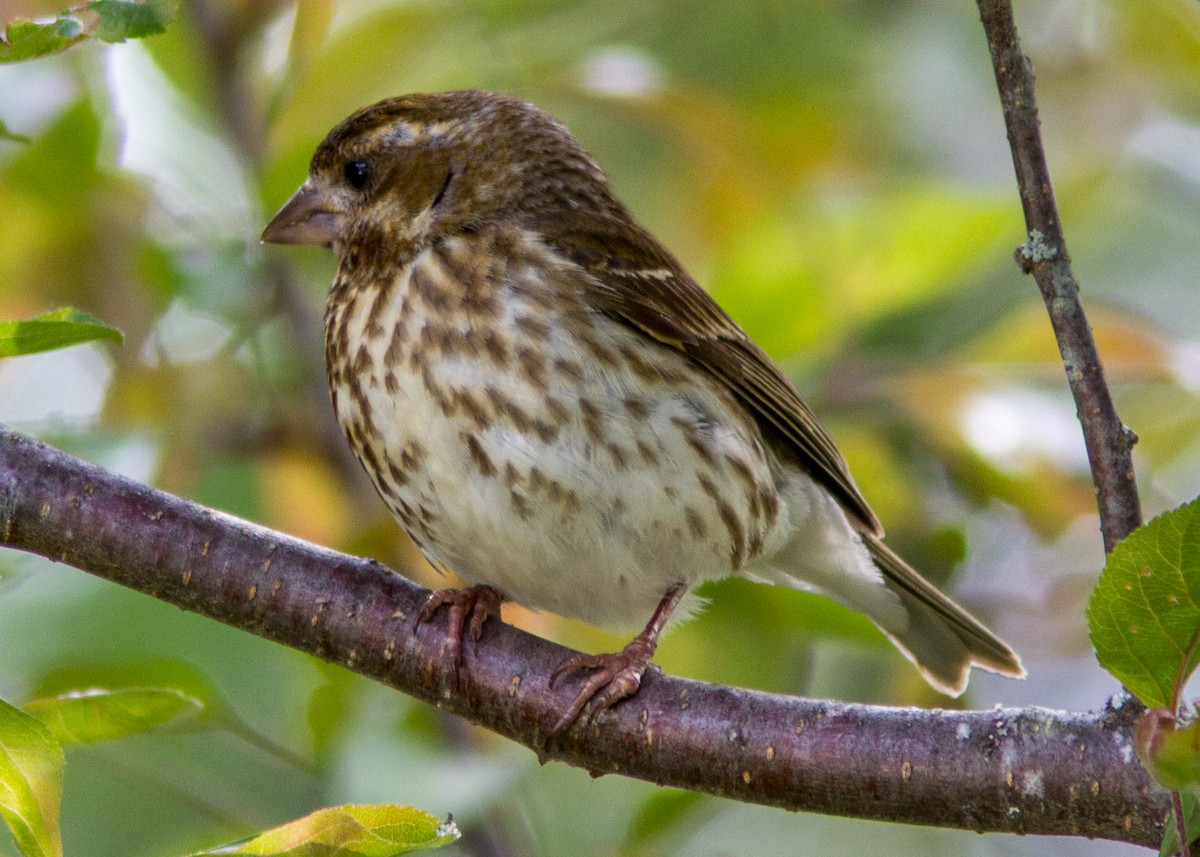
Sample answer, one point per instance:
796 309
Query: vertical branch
1109 443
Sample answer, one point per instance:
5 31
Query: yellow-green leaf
59 328
85 717
31 765
376 830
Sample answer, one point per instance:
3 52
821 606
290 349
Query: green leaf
1144 614
125 19
378 830
31 765
23 39
57 329
6 134
1191 821
1172 756
86 717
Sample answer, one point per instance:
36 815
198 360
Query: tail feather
941 638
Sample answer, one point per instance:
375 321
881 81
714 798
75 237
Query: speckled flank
483 397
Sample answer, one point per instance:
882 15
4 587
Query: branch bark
1109 443
1020 771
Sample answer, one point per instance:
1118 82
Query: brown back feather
634 279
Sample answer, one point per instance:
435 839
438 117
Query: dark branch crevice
1021 771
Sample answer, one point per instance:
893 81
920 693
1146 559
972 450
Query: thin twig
1109 443
1020 771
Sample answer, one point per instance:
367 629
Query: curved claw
617 676
469 609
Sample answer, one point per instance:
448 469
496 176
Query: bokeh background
834 171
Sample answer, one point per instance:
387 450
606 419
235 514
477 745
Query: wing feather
633 278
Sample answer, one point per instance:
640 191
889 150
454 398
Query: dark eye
357 174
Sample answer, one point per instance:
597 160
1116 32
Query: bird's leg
475 603
619 674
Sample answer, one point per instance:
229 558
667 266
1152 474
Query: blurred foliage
835 171
31 767
86 717
106 20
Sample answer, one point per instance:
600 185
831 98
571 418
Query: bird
556 411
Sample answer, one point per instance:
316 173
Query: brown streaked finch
554 409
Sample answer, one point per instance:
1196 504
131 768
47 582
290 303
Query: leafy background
835 171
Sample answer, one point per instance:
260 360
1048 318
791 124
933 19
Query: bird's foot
615 676
469 609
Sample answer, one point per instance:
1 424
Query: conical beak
306 218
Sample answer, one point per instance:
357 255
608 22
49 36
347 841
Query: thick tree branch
1021 771
1109 443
